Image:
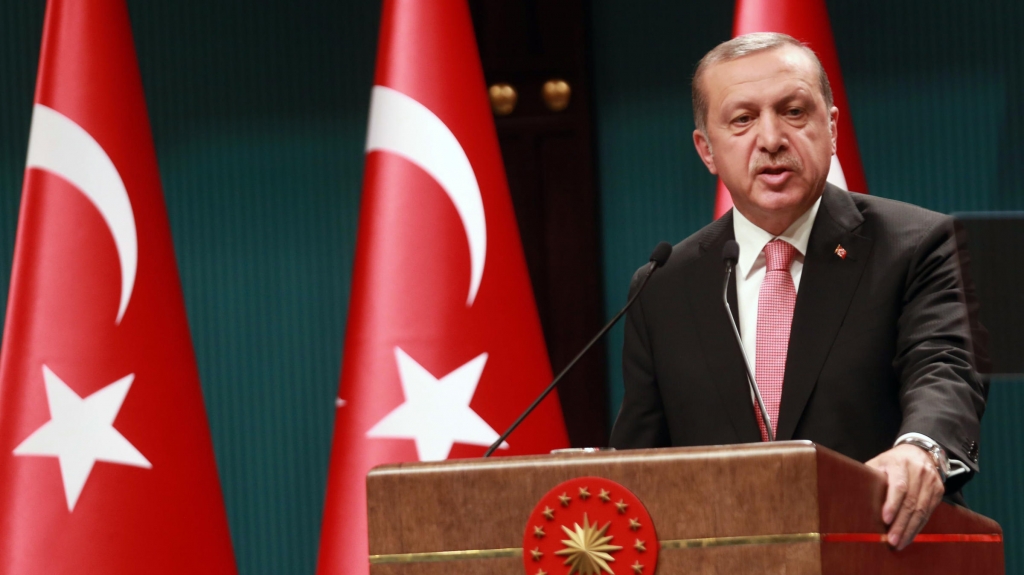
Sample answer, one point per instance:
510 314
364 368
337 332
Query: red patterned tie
774 317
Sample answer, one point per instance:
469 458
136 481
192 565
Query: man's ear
834 125
703 145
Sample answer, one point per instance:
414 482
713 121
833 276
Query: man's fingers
917 518
895 494
908 504
931 495
939 494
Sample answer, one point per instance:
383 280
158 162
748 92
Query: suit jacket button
972 451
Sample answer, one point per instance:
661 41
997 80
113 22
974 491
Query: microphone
658 258
731 255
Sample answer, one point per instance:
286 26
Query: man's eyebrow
732 105
797 94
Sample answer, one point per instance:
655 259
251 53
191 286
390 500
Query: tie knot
779 255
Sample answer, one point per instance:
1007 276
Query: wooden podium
787 508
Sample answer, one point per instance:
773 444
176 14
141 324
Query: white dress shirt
750 270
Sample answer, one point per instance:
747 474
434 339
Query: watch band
934 449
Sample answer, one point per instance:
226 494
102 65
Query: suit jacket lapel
723 354
827 285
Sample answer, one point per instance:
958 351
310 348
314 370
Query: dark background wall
259 114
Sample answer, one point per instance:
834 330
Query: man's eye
744 119
794 112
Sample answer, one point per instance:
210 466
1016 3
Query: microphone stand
658 258
746 362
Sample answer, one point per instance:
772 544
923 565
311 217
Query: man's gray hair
739 47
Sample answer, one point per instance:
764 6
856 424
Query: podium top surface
606 456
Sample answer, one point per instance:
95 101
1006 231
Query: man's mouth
774 176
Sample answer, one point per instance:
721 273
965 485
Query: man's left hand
915 490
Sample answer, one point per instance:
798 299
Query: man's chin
779 206
779 200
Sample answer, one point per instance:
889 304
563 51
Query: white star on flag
81 432
436 412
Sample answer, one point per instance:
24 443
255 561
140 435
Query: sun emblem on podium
588 549
590 526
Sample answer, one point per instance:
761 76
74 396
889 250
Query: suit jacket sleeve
941 392
641 420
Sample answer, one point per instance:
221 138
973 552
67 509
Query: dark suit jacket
880 342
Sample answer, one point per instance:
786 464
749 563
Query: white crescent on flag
59 145
401 125
835 174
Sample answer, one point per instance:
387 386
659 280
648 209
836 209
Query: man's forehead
769 66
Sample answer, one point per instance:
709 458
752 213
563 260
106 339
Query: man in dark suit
851 307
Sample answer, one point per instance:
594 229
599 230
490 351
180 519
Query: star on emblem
542 572
639 546
537 554
538 532
565 499
436 412
622 505
588 550
634 524
548 513
605 496
637 568
81 432
584 494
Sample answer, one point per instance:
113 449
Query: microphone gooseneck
731 255
658 258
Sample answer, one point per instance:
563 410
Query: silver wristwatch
934 449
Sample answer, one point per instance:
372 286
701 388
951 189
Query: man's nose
772 134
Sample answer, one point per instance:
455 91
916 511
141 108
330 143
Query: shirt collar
752 239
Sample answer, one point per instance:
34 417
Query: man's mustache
782 160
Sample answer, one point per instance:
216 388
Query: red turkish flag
443 346
807 21
106 464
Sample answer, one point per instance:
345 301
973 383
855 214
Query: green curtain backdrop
259 114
